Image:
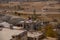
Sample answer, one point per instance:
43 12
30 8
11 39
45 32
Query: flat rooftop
34 34
6 34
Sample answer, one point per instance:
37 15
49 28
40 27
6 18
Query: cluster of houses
18 29
13 26
9 21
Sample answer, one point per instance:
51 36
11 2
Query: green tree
34 16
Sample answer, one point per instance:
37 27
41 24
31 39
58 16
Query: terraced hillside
51 8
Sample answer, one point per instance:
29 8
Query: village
30 20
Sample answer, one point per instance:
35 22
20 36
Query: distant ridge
24 0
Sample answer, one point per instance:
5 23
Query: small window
18 14
13 36
29 38
45 10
